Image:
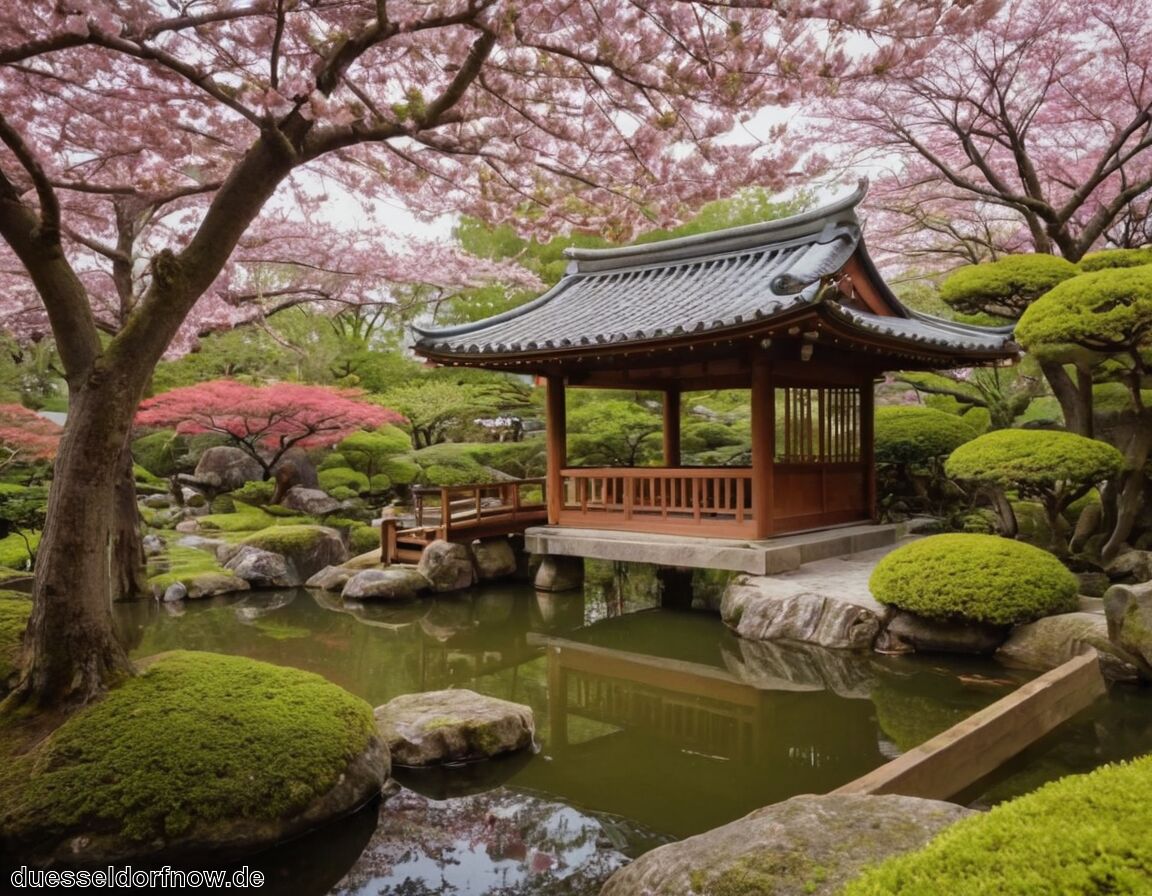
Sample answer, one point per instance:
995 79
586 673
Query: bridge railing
467 507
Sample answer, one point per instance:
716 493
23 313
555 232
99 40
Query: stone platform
768 557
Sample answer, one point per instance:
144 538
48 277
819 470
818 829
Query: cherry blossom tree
1031 134
265 421
186 124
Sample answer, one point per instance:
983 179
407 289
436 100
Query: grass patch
14 552
197 738
15 608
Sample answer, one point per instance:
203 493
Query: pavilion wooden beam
557 436
672 427
763 445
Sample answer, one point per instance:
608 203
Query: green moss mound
161 453
914 435
182 564
1034 458
1116 258
15 608
343 477
196 738
979 578
1085 834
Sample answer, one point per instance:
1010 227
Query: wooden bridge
463 513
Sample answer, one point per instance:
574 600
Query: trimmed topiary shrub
916 435
362 539
332 460
401 471
197 740
1006 286
338 477
1052 467
1116 258
1085 834
524 460
977 578
368 452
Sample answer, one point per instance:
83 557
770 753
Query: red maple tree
265 421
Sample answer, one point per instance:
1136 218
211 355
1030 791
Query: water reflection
652 723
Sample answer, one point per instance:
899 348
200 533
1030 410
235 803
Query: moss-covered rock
1081 834
200 751
982 578
451 726
309 548
915 435
805 846
161 453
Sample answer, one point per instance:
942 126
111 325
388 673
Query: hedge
978 578
915 435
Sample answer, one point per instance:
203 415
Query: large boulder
452 726
1128 609
226 468
494 559
1053 640
308 548
294 468
311 501
447 566
1131 567
805 846
331 578
395 583
263 569
938 636
762 608
198 585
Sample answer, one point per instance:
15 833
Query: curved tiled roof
697 285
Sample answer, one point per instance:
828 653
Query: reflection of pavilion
680 745
698 708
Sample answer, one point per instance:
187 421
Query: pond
652 725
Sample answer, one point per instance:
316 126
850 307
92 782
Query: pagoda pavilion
792 310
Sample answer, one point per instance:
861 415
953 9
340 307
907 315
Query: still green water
652 725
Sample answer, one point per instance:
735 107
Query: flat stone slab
766 557
805 846
455 725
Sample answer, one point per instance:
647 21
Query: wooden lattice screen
818 424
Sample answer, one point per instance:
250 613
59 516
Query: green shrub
440 474
915 435
979 578
1084 834
332 460
161 453
401 471
1053 467
194 740
369 451
379 483
343 493
1004 287
1116 258
256 492
343 477
524 460
362 539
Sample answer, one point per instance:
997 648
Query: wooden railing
463 513
659 499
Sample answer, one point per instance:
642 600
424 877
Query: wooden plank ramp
955 759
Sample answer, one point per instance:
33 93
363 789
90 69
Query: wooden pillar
671 427
557 434
763 445
868 446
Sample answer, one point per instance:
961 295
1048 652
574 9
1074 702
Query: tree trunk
1130 496
71 653
1074 396
128 579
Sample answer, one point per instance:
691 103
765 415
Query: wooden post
868 446
763 445
671 427
388 525
557 423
